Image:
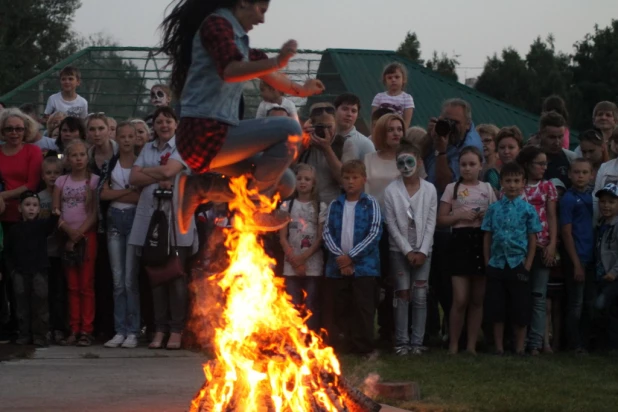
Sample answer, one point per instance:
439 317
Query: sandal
85 340
70 340
157 341
175 341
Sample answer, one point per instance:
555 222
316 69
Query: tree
34 35
444 65
595 73
410 48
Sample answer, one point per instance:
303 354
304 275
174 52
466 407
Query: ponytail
456 188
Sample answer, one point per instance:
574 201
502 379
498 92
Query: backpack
157 244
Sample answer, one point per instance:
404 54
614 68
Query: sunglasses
96 114
321 110
18 130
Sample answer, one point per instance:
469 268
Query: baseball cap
27 194
610 189
558 183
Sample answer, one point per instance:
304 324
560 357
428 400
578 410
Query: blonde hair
96 116
315 198
30 124
56 117
381 129
417 136
67 153
354 166
490 129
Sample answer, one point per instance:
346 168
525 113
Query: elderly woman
158 166
20 162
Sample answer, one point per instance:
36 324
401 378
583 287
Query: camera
163 194
446 127
320 130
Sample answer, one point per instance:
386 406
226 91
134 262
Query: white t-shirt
287 104
74 108
397 103
47 143
120 181
347 227
302 234
380 173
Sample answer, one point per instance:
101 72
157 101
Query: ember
266 359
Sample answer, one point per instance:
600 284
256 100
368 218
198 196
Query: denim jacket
205 94
367 233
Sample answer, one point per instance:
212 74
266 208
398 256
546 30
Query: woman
142 134
211 61
103 147
509 142
158 166
488 133
20 170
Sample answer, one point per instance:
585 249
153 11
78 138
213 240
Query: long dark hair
527 156
73 124
179 29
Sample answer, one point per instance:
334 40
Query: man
442 168
356 145
442 163
551 132
604 118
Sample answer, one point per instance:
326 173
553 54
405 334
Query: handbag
173 267
76 256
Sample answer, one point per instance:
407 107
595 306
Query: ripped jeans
409 284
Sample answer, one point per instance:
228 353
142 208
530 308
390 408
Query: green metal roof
359 72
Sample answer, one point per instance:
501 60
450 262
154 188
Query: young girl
410 205
543 196
395 78
211 61
509 142
142 134
71 128
301 241
75 201
594 150
463 207
122 256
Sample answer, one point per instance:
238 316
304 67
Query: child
607 260
542 195
67 100
577 230
509 245
74 199
27 260
395 78
302 244
52 169
351 235
272 98
410 204
462 207
122 256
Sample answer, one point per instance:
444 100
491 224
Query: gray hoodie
607 247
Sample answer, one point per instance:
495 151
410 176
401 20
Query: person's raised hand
467 215
312 87
288 50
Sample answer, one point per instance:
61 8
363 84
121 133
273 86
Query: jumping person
211 60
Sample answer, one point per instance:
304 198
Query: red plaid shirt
199 140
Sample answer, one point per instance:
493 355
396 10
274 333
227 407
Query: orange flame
263 348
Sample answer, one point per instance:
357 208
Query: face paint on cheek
158 98
406 164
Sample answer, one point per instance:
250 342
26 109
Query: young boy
410 209
351 235
510 226
272 98
607 260
576 214
51 170
26 254
67 100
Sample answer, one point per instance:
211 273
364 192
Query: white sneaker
130 342
114 342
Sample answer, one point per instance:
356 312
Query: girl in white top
301 241
122 256
395 78
381 165
463 207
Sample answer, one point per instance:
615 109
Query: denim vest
205 94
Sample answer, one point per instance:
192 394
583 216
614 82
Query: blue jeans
261 147
413 281
539 276
579 310
295 286
125 268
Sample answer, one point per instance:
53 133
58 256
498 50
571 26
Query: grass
461 383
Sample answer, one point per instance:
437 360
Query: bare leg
461 296
499 336
475 311
520 338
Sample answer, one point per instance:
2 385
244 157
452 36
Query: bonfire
265 357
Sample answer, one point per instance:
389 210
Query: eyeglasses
321 110
18 130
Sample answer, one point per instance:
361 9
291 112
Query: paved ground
97 379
